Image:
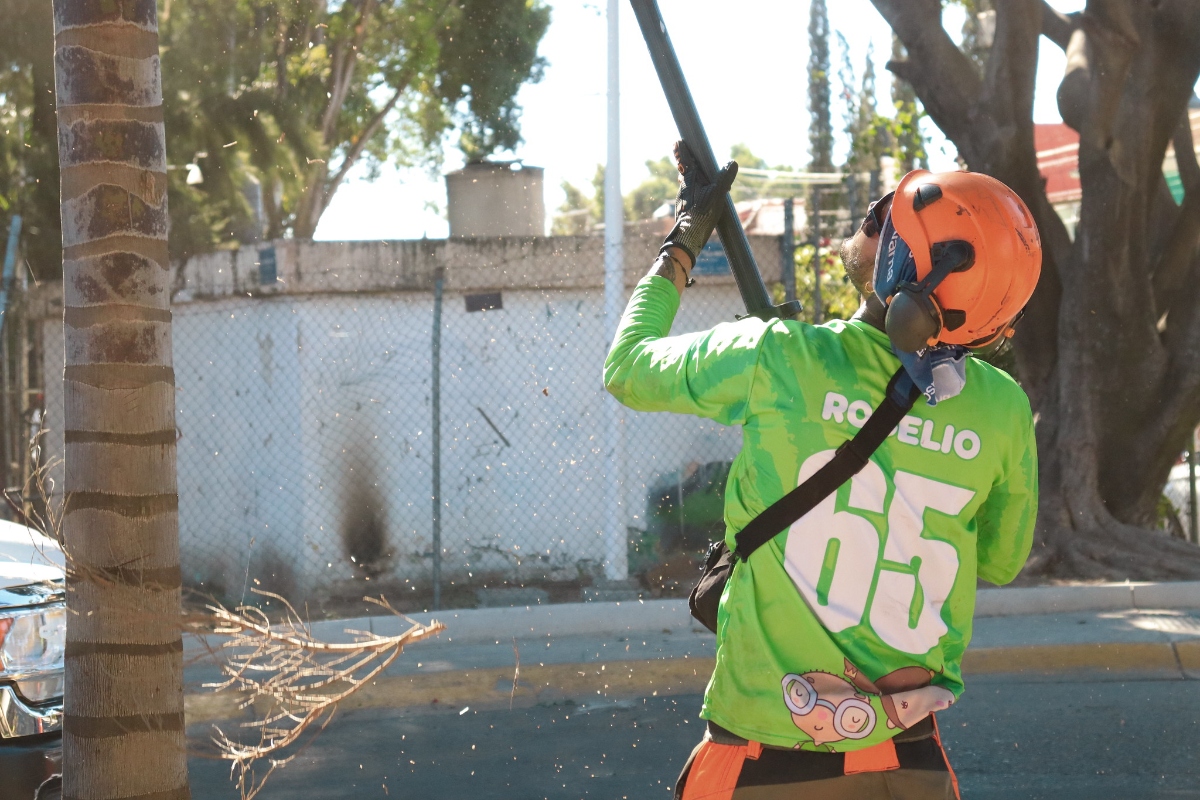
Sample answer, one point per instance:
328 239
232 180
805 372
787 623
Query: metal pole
11 421
788 246
10 260
1193 529
436 431
852 202
814 218
10 426
616 555
679 484
20 322
683 109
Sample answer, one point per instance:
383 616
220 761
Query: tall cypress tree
865 128
820 130
910 143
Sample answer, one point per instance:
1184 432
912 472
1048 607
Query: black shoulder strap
851 457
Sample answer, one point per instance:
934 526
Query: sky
746 65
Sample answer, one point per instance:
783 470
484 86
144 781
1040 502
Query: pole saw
691 130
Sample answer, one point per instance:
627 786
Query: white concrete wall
297 410
542 262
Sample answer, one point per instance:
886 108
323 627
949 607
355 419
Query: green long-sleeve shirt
852 624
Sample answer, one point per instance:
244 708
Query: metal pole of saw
435 400
687 119
616 552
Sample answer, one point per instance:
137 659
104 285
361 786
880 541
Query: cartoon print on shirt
830 708
908 697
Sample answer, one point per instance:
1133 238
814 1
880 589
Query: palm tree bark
123 730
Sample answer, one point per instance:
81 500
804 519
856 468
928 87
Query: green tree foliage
309 91
598 191
275 102
839 299
579 213
820 131
752 187
748 187
871 134
868 131
28 149
576 215
660 187
485 59
746 159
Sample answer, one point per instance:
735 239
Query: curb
580 684
479 625
1090 597
1160 659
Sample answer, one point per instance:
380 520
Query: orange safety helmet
978 257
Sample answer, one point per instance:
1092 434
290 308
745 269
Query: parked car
32 640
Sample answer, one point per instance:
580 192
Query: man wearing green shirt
838 639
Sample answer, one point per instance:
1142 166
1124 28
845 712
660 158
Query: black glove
699 204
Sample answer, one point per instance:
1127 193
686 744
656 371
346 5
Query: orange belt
716 767
715 770
876 758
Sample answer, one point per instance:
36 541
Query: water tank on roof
496 198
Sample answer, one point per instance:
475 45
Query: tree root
1096 546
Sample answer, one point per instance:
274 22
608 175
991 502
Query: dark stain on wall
364 521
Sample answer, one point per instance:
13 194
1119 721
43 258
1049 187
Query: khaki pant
726 767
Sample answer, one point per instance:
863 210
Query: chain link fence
425 420
334 442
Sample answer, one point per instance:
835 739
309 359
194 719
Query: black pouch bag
851 457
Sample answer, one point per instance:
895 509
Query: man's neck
873 312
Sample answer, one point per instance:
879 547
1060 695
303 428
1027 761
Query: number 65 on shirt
834 557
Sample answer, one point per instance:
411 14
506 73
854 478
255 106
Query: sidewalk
587 652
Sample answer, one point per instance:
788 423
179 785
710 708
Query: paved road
1009 739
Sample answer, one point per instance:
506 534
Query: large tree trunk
123 731
1109 350
313 201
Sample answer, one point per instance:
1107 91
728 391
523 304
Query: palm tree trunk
123 731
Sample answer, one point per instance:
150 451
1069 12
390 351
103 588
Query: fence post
439 276
11 419
788 245
1193 531
852 203
814 219
616 563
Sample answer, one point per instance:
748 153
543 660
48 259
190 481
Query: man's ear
858 259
